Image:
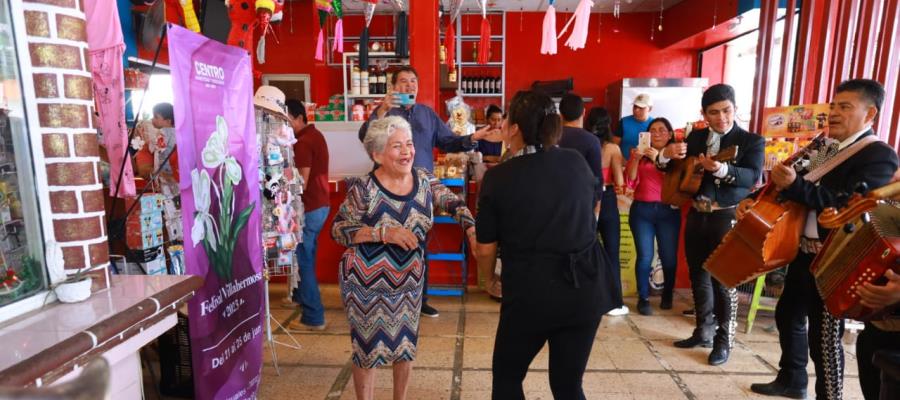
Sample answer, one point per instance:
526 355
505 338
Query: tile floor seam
456 381
340 381
673 374
758 357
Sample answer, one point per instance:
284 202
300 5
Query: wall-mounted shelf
461 65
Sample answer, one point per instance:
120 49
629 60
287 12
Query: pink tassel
582 18
548 41
320 47
338 36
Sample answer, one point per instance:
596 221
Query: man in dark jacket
724 185
855 105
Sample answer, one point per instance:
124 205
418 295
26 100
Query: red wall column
423 48
764 48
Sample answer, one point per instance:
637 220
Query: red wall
624 51
713 67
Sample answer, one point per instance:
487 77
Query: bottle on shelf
364 82
354 79
382 82
373 81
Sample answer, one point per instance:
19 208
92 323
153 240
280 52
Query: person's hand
470 236
744 207
709 163
401 237
782 176
488 134
387 103
650 153
877 296
675 151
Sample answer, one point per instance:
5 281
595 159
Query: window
22 271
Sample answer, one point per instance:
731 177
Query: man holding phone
428 131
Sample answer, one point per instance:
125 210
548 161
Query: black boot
776 388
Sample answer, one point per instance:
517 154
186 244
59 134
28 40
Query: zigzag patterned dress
381 284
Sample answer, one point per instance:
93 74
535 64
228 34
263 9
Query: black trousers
519 340
715 305
800 302
609 226
870 340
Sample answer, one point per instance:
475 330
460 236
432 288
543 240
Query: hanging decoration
268 11
582 19
338 7
401 32
323 8
364 36
599 25
484 43
450 37
617 6
715 13
190 16
660 15
548 38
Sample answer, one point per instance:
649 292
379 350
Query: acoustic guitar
765 238
683 181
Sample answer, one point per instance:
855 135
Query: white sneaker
615 312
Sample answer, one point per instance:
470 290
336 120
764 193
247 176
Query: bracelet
383 234
373 232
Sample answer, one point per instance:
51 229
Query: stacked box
333 111
144 227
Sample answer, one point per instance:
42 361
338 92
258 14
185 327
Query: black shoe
775 388
719 355
666 303
644 307
693 341
429 311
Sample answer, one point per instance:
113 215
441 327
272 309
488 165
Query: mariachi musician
855 105
712 213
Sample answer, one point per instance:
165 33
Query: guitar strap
816 174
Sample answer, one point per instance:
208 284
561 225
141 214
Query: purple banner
218 163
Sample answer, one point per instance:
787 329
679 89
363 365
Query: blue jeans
648 221
610 232
307 294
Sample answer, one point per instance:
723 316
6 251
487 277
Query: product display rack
347 67
459 257
462 66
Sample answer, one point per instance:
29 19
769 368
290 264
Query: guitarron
765 238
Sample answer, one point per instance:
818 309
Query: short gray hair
380 130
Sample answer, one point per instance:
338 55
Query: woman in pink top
650 218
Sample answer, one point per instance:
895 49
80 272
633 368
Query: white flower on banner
216 150
203 220
232 170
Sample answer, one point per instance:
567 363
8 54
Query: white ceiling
605 6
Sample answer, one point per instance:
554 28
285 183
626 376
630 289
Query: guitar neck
816 141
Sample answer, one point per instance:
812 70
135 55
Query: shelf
365 96
453 182
474 38
444 219
374 54
476 64
481 94
446 257
444 291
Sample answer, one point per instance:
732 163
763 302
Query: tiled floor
632 358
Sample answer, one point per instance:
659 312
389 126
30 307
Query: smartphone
405 99
643 141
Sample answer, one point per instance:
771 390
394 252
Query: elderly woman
557 282
383 223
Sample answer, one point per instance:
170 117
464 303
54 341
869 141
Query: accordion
862 251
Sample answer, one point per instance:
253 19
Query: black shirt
588 145
539 208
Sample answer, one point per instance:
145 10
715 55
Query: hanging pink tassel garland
450 44
484 45
320 47
582 19
339 36
548 40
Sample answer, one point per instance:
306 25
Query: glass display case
22 271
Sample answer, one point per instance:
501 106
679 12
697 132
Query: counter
346 154
51 344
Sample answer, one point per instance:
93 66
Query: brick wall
62 83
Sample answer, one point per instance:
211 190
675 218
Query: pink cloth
109 93
548 38
648 185
103 27
106 47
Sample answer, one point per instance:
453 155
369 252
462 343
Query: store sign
218 160
803 121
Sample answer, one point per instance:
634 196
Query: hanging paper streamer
450 45
455 9
484 45
401 47
364 36
548 38
582 19
323 7
190 17
338 7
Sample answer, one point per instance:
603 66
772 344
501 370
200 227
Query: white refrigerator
676 99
